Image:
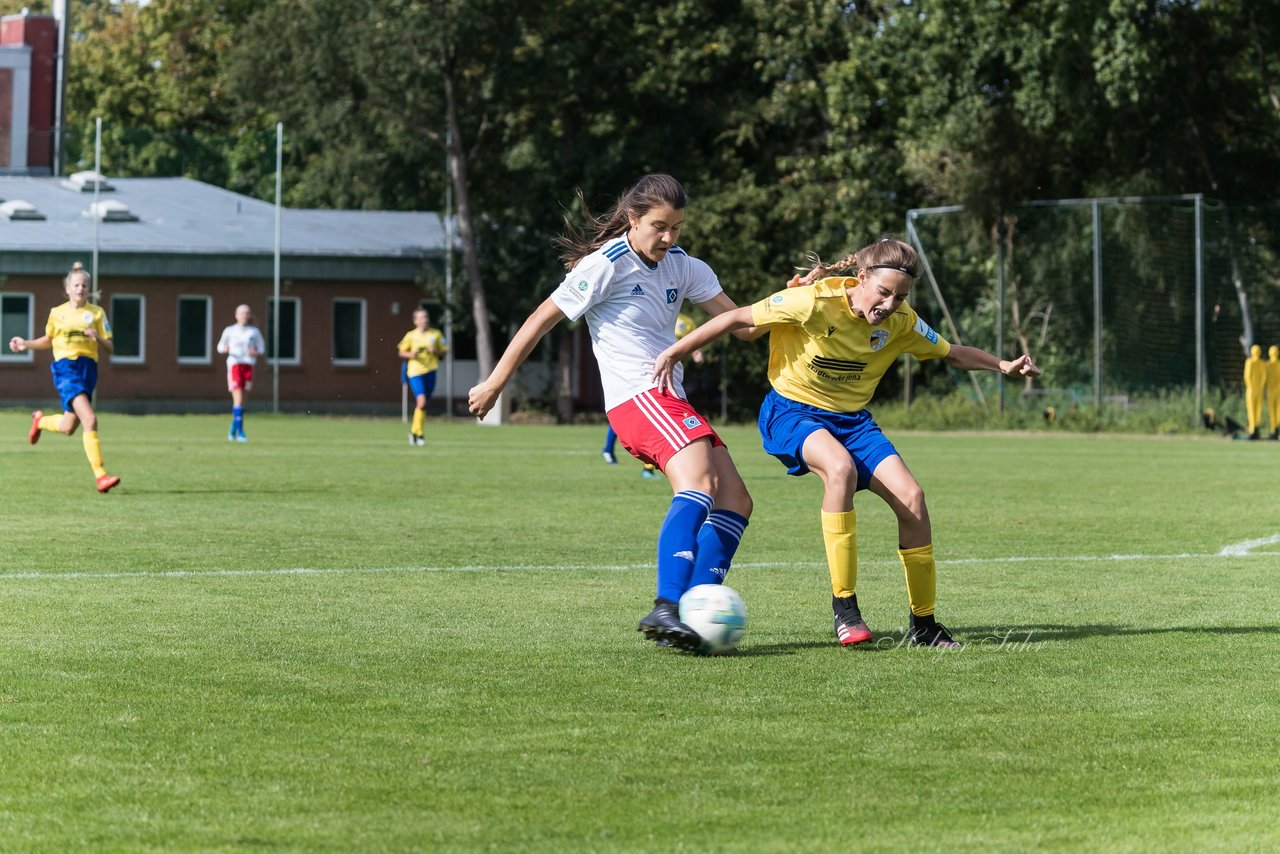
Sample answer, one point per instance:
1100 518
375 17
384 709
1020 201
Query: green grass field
329 640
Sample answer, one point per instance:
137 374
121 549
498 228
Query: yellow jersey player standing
75 331
830 342
1255 383
421 349
1273 389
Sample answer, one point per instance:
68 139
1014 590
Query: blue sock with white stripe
678 541
717 541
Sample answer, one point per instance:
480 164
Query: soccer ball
717 614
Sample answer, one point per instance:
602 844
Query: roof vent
19 209
110 211
87 181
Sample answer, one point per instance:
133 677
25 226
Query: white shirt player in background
629 279
242 343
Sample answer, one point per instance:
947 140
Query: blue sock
678 541
237 419
609 439
717 541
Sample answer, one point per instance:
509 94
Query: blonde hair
888 253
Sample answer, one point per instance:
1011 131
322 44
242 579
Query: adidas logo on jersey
637 291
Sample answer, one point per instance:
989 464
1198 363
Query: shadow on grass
1065 632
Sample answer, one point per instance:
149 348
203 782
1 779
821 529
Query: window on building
194 330
128 316
290 330
15 319
348 331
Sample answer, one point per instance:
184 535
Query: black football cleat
663 624
926 631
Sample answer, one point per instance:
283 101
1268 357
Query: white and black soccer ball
717 614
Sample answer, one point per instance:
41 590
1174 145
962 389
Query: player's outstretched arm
18 344
483 395
729 321
976 359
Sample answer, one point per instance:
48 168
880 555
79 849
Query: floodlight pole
97 213
275 307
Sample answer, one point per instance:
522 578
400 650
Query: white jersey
237 340
631 311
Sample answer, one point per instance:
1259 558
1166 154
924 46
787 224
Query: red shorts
239 376
654 425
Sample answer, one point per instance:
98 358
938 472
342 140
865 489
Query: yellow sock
93 451
840 535
419 416
922 578
50 422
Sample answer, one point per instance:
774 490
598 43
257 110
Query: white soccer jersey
237 341
631 311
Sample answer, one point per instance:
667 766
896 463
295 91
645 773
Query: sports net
1120 301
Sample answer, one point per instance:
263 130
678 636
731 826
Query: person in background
421 349
1273 390
242 343
75 331
831 339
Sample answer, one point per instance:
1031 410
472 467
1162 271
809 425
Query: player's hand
697 357
17 344
91 333
481 399
796 281
664 367
1020 367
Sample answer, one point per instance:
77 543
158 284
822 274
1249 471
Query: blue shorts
74 377
423 384
785 424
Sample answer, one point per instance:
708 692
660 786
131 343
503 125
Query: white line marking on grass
1239 550
1247 547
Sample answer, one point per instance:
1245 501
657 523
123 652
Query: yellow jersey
66 327
684 325
424 346
822 354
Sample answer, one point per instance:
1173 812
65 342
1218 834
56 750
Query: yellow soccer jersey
684 325
66 327
822 354
423 345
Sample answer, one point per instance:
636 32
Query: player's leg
237 405
721 533
1253 408
895 483
831 461
92 447
610 442
418 388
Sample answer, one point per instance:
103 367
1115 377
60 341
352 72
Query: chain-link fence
1121 301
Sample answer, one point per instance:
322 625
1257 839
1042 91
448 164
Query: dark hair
886 253
649 192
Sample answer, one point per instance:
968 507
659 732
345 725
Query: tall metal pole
1097 305
275 307
1200 368
97 212
1000 254
61 14
448 273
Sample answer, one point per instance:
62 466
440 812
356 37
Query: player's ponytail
649 192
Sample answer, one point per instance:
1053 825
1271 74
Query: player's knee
913 506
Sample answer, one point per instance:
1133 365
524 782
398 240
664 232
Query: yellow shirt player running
421 349
75 332
830 342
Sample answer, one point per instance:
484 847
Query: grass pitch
329 640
